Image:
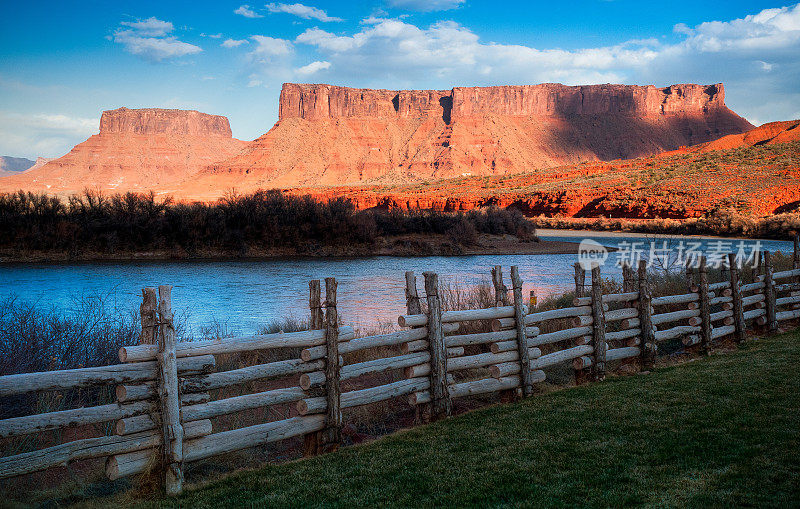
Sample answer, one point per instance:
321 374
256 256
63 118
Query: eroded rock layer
330 135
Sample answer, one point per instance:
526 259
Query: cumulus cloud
269 47
425 5
233 43
150 40
302 11
313 67
247 12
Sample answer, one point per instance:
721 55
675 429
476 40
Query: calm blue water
243 294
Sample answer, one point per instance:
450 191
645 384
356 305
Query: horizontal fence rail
171 396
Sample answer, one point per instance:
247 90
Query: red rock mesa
330 135
136 150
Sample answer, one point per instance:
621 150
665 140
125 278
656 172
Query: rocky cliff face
159 121
330 135
136 150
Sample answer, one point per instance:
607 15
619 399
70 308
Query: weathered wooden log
147 390
62 454
675 299
243 375
233 345
167 384
413 304
752 299
580 280
317 320
621 314
251 436
512 368
500 290
674 332
623 334
350 371
721 315
521 339
366 396
487 359
720 300
332 433
583 340
462 315
785 301
753 313
418 346
752 287
148 318
648 339
628 279
582 321
36 423
238 403
541 316
705 310
488 337
441 405
719 286
131 463
787 315
738 308
616 354
135 424
786 274
102 375
599 327
562 335
630 323
423 370
718 332
674 316
769 294
787 287
607 299
551 359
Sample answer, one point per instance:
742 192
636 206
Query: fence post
522 338
769 293
796 265
648 344
580 280
413 306
315 305
705 308
440 395
169 399
311 441
736 293
147 313
500 290
628 283
598 327
333 422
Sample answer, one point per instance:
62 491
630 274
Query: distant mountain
14 165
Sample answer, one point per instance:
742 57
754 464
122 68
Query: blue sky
62 63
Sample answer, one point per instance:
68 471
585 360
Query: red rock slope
329 135
136 150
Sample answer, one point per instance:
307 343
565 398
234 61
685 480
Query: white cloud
768 30
302 11
42 134
425 5
213 36
312 68
247 12
150 40
268 47
233 43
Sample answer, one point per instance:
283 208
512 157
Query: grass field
715 432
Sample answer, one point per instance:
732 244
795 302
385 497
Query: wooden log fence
169 393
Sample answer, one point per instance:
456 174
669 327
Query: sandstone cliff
135 150
330 135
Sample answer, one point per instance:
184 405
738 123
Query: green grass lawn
715 432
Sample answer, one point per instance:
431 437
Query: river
243 294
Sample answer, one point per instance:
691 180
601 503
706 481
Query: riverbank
398 245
